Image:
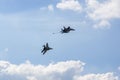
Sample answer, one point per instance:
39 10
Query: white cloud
28 71
106 10
31 78
106 76
66 70
69 5
103 11
50 8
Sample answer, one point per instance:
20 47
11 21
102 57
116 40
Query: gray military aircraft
46 48
67 30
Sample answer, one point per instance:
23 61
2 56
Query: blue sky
25 25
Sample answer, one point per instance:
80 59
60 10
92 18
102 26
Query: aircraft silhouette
45 48
67 30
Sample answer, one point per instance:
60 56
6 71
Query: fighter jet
45 48
66 30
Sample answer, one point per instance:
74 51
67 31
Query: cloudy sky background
89 53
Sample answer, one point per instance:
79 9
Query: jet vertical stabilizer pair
45 48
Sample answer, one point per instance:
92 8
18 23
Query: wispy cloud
59 71
3 53
102 24
6 50
119 68
50 7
